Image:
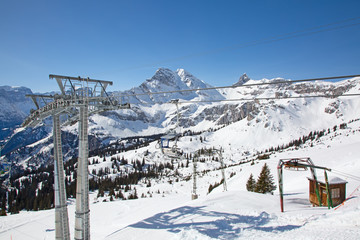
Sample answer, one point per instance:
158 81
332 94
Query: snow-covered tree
265 182
251 184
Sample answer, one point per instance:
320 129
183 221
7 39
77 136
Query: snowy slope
242 128
235 214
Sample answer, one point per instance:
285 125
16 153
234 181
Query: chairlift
293 165
168 149
299 164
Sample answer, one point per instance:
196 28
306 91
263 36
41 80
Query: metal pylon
194 194
61 212
82 213
299 163
90 96
222 169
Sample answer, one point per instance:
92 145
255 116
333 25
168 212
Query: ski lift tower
302 164
194 194
79 98
219 152
197 155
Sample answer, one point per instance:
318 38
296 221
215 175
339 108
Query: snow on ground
236 214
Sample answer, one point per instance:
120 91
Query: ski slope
236 214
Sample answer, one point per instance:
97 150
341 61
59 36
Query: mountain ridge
152 114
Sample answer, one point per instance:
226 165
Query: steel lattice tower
61 213
82 213
194 194
79 98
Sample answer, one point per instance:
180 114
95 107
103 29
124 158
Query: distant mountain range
14 107
150 114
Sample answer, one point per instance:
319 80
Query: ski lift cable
246 85
346 175
349 197
334 171
273 98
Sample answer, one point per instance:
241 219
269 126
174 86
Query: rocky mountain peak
183 74
242 80
190 80
163 76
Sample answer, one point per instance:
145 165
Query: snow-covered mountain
242 80
14 107
251 130
258 123
166 80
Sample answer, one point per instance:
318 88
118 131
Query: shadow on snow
214 224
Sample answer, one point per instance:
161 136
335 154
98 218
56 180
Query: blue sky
217 41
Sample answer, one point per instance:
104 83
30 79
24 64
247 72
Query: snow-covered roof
332 180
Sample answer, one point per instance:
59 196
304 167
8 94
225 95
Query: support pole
317 187
61 212
299 163
280 177
329 200
194 195
177 113
176 101
75 93
82 213
222 169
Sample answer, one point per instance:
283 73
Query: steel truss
61 212
79 98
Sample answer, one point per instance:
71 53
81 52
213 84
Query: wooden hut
337 188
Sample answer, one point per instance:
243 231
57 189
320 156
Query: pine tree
265 182
3 207
211 187
251 184
100 193
111 192
120 195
